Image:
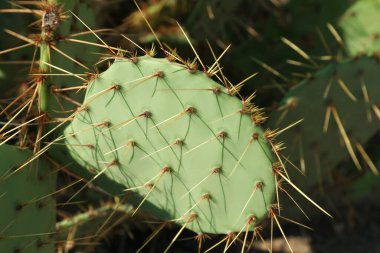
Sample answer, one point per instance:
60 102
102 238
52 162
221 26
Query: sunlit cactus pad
178 138
337 103
360 29
27 216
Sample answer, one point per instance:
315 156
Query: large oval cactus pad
178 138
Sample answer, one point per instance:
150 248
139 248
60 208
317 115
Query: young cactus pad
180 140
27 219
337 103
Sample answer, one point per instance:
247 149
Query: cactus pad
360 29
178 139
27 220
337 103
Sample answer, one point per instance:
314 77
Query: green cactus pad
359 25
27 220
350 90
178 138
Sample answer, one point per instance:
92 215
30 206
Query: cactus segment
27 220
179 139
359 27
64 50
337 103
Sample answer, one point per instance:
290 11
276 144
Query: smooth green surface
27 220
167 98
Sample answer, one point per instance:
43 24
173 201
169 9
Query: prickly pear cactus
180 140
359 27
337 103
27 220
